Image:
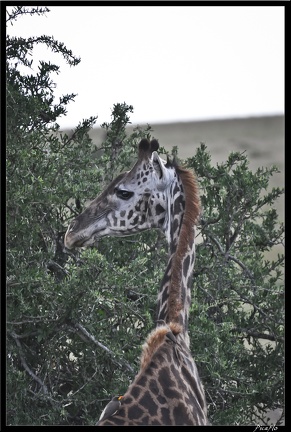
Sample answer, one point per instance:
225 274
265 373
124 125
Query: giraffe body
155 194
165 391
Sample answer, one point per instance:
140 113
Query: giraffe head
135 201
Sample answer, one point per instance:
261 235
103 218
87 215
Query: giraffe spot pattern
159 209
148 401
165 414
136 392
155 389
161 400
135 221
135 412
164 399
186 265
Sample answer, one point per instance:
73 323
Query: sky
171 63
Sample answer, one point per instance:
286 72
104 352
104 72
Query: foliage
238 292
76 322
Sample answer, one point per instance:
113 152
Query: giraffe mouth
83 241
92 241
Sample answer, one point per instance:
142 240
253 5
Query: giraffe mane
155 340
190 219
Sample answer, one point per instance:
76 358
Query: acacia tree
76 321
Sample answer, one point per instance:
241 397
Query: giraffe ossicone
155 194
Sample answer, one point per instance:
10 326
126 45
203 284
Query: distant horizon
214 119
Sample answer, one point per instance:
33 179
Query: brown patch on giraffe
155 340
186 237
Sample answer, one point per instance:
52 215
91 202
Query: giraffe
154 194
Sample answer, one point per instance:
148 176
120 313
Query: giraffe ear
159 167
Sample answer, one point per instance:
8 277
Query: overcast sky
172 63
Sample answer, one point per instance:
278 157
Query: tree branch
25 366
230 257
83 332
258 335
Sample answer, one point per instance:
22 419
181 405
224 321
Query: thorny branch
230 257
85 335
258 335
25 365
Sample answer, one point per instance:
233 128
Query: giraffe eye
123 194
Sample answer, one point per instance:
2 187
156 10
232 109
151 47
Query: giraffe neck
175 291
